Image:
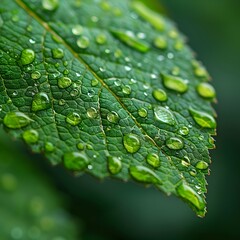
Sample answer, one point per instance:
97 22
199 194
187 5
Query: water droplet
164 115
184 131
16 120
127 68
160 95
73 118
118 83
40 101
143 174
173 33
203 119
118 53
61 102
152 17
160 42
89 147
94 19
57 53
175 71
8 181
188 194
30 136
211 143
64 82
91 93
102 69
80 146
1 21
153 160
206 90
126 89
112 117
27 56
15 18
92 112
35 75
131 40
32 41
186 161
49 147
193 172
15 93
66 72
83 42
114 165
75 161
77 30
201 165
174 143
105 5
142 112
50 5
131 143
16 233
101 38
170 55
199 70
175 83
179 45
74 92
94 82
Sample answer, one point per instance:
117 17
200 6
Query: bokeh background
112 210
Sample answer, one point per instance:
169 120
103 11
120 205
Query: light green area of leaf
91 95
30 207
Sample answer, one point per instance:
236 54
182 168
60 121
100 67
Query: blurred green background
112 210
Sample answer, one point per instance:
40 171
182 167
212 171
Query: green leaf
30 207
108 88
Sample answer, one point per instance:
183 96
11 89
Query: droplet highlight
164 115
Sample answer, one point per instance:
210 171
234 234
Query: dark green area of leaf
85 90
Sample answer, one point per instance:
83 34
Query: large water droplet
160 42
112 117
142 112
201 165
50 5
131 143
101 38
114 165
188 194
131 40
27 56
57 53
206 90
174 143
83 42
144 174
153 160
40 101
92 112
184 130
75 161
164 115
73 118
77 30
160 95
80 146
152 17
64 82
203 119
175 83
16 120
30 136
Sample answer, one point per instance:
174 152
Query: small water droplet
61 102
174 143
175 83
184 131
73 118
153 160
170 55
16 120
27 56
206 90
35 75
94 82
201 165
118 83
199 70
80 146
132 81
75 161
30 136
173 33
114 165
74 92
89 147
193 172
160 42
92 112
126 89
50 5
94 19
49 147
175 71
164 115
105 5
179 45
1 21
83 42
64 82
203 119
127 68
143 174
186 161
118 53
32 41
131 143
160 95
101 38
91 93
57 53
77 30
102 69
112 117
142 112
15 93
40 101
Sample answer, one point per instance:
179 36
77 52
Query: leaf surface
107 88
